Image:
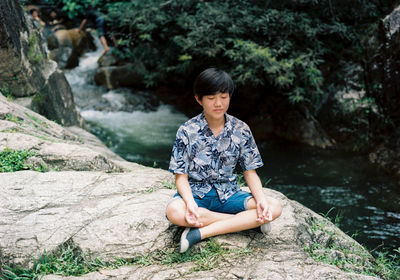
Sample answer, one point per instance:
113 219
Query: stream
333 183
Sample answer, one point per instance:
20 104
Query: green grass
351 257
165 185
69 260
36 120
34 53
35 56
14 119
13 160
206 257
168 185
7 92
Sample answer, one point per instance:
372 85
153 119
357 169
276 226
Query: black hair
31 11
211 81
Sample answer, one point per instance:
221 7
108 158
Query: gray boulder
67 45
111 208
128 75
25 69
123 215
54 146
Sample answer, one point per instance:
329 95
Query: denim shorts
235 203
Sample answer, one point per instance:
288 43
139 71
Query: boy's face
215 105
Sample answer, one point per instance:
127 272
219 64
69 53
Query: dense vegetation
13 160
288 47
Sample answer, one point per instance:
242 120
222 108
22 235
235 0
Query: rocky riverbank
91 201
115 209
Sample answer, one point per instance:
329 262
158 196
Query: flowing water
142 130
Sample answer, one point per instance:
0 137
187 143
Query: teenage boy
209 201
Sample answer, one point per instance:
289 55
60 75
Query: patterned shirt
210 161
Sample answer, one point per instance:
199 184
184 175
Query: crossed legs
215 223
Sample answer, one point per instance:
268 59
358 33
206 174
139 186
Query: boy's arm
191 214
253 181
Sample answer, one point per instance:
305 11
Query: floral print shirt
210 161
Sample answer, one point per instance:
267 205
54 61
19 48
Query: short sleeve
249 157
179 162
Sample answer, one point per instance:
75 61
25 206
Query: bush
282 46
11 161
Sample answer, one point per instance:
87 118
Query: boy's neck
216 125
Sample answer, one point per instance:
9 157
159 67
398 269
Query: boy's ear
198 99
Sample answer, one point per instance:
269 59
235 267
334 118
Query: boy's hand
263 212
192 214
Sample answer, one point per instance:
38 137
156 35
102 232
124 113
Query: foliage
36 120
69 260
13 160
205 258
7 92
34 54
168 185
353 258
282 46
74 8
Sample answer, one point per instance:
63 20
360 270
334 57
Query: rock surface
277 118
25 69
386 65
128 75
122 215
54 146
67 45
111 213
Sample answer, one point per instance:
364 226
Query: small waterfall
121 118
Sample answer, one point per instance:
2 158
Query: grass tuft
69 260
168 185
350 257
13 160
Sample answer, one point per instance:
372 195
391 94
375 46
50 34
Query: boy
209 201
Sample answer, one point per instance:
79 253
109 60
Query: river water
327 181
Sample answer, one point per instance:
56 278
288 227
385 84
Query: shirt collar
204 125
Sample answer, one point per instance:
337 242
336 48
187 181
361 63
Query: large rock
123 215
127 75
119 211
67 45
384 61
21 53
56 99
346 110
55 147
25 69
276 117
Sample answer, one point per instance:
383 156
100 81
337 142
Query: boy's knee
175 211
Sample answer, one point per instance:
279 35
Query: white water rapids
141 136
